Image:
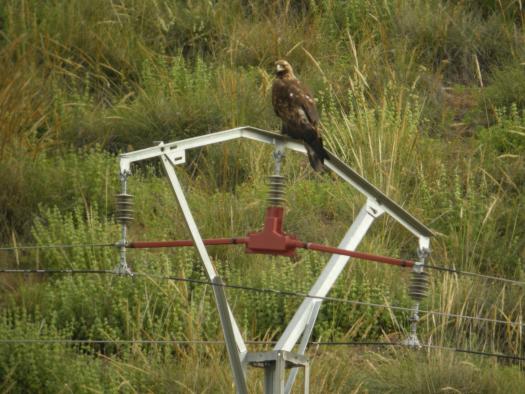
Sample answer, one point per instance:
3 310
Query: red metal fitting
272 239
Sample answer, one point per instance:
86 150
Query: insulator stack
419 283
276 191
124 212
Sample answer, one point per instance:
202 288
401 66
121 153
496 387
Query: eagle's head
283 69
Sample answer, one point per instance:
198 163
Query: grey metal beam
278 375
307 333
328 276
229 336
175 150
197 239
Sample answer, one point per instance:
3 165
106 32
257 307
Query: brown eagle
295 105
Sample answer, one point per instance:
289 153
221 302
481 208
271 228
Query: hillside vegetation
425 98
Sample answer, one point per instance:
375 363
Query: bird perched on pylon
295 105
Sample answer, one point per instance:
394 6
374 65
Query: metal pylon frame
302 324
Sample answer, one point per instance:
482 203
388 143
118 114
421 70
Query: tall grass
422 98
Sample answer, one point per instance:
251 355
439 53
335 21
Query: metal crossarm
175 152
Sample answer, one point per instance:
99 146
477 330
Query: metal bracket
275 363
174 154
278 155
373 208
177 156
423 253
123 269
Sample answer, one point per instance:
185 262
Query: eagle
295 105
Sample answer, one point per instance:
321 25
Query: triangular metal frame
302 323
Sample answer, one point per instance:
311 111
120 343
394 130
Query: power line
249 288
100 245
56 271
337 299
53 341
476 352
56 246
475 275
176 342
262 290
319 248
428 346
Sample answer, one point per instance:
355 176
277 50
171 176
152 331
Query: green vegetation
425 98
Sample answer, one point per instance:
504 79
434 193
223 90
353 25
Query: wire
262 290
475 275
55 271
176 342
337 299
53 341
428 346
356 343
476 352
320 248
56 246
100 245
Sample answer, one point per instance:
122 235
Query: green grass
423 98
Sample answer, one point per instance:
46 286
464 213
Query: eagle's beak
279 68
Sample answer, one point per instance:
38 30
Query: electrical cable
176 342
249 288
53 341
428 346
337 299
240 240
475 275
476 352
55 246
55 271
262 290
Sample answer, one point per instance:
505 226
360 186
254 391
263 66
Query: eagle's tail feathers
316 158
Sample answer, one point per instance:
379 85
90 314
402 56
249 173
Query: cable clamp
423 253
123 269
122 243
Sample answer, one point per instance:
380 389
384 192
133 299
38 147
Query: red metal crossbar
290 246
184 242
272 240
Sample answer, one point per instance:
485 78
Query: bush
507 88
454 40
507 135
86 177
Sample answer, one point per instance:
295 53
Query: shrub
507 88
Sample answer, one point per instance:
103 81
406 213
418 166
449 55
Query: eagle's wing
280 98
301 97
293 102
